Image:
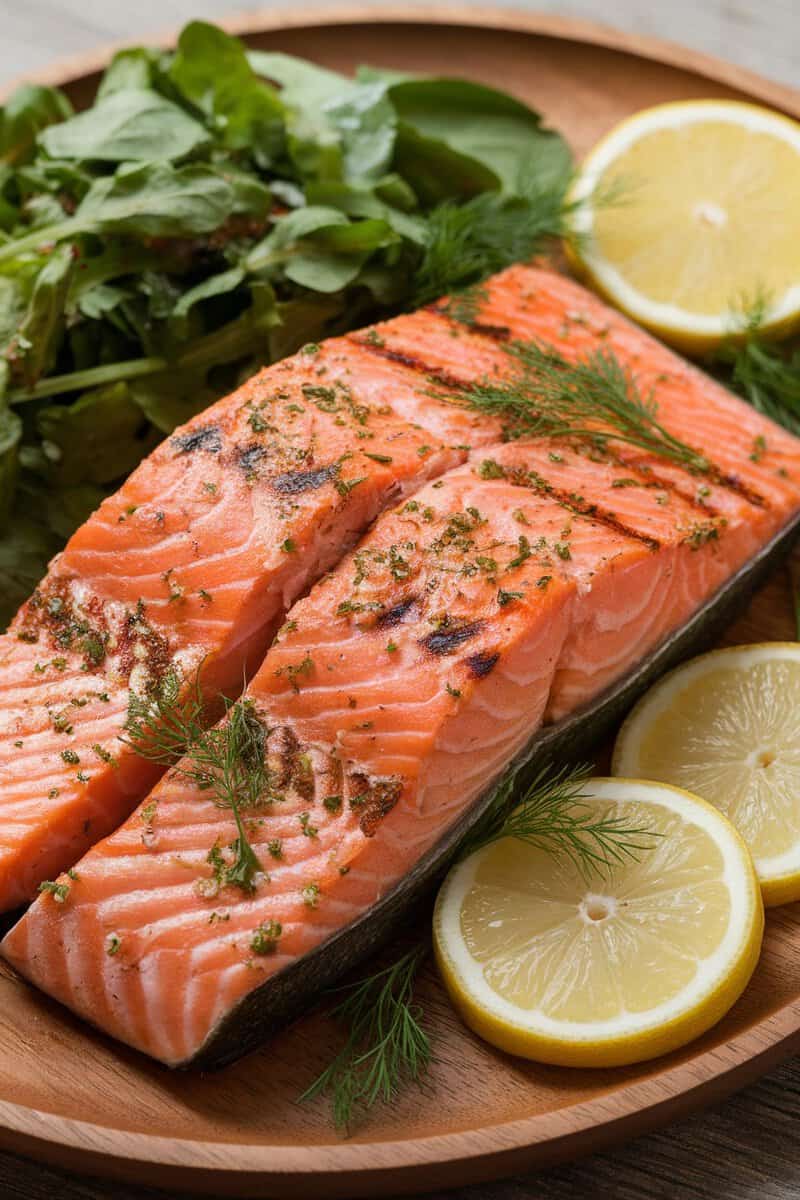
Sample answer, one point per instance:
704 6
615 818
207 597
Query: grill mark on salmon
394 615
536 483
503 334
248 457
480 665
448 638
206 438
292 483
414 363
497 333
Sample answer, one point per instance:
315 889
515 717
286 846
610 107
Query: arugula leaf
26 547
10 437
168 402
481 124
158 200
42 519
28 110
137 67
211 70
99 438
436 171
304 85
39 335
129 125
367 123
215 285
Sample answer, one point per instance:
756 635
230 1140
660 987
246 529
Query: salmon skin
509 606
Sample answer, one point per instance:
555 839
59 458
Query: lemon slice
727 726
545 965
696 221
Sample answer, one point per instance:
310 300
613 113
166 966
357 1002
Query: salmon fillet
194 561
506 592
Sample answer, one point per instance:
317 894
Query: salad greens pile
212 211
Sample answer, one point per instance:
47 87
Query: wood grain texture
57 1080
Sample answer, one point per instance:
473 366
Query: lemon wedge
687 219
628 966
727 726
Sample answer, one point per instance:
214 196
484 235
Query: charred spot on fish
52 611
292 483
288 764
248 457
522 477
497 333
139 645
405 359
206 437
374 799
394 615
734 484
449 636
461 314
480 665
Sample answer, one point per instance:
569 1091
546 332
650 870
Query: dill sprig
161 726
227 760
595 400
467 242
766 375
386 1044
553 815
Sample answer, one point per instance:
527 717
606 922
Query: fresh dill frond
595 400
161 726
466 242
386 1043
228 760
552 814
766 375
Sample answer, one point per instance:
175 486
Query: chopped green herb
265 939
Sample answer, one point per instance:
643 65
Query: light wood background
748 1148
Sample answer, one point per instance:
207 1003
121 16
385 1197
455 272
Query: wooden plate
73 1098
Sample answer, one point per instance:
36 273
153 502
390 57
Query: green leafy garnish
765 374
213 210
227 760
386 1042
595 400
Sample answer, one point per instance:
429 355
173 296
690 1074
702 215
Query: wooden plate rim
68 70
643 1098
38 1132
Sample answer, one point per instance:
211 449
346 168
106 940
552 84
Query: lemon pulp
545 964
727 726
697 221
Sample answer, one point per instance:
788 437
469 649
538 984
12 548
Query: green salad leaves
213 210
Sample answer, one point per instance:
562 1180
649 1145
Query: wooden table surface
749 1147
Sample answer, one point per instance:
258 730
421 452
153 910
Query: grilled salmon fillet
516 582
192 565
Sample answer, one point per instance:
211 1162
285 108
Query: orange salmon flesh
410 596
